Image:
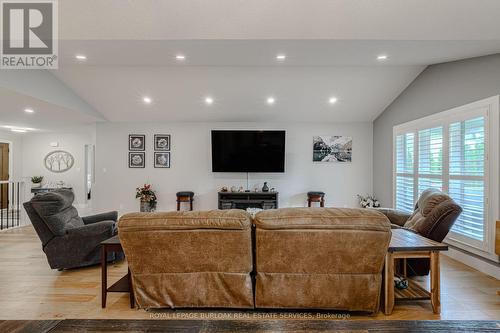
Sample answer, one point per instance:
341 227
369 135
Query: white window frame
489 108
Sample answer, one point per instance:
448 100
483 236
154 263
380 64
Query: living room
240 116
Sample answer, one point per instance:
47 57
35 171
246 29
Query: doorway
4 174
89 170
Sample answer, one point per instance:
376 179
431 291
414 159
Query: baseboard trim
483 265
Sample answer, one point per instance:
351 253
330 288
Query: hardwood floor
261 326
29 289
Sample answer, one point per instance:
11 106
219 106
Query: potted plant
147 197
36 181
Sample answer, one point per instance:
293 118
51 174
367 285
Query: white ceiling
231 45
263 52
240 93
280 19
47 116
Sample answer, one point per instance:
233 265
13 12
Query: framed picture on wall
332 148
162 142
162 160
136 159
137 142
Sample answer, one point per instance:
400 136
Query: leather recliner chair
68 240
434 214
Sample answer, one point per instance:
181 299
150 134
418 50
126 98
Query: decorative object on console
223 189
368 201
241 189
162 160
136 159
58 161
137 142
273 190
265 188
233 188
36 181
162 142
332 149
147 197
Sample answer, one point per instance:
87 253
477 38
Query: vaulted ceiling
230 49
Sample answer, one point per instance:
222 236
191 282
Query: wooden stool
316 196
185 196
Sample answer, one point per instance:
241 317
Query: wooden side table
406 244
123 285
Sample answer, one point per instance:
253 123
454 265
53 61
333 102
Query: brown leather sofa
189 259
318 258
434 215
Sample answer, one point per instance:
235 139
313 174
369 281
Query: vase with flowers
368 201
147 196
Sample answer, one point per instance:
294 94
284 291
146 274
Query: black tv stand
244 200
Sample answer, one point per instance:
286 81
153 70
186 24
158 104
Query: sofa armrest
396 217
109 216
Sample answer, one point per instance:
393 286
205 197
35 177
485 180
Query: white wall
37 145
191 165
438 88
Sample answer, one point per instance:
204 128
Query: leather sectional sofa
291 258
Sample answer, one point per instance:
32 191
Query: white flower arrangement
368 201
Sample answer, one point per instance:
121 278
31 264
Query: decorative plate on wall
59 161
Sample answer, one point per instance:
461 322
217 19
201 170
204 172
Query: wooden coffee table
124 285
406 244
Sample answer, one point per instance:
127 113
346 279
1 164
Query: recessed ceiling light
281 57
180 57
81 57
332 100
29 110
270 100
147 100
18 129
382 57
209 100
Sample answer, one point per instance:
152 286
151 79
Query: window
449 151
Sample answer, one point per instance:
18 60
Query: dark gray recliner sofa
68 240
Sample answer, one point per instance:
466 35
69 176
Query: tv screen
248 151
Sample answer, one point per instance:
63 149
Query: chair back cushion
57 211
434 215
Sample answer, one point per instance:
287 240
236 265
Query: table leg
435 282
389 283
104 275
131 290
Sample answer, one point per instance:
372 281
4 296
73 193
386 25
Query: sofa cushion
56 210
233 219
322 218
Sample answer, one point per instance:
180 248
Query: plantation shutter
405 149
467 175
430 159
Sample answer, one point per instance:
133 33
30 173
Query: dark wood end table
123 285
406 244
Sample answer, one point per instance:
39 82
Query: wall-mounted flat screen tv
248 151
